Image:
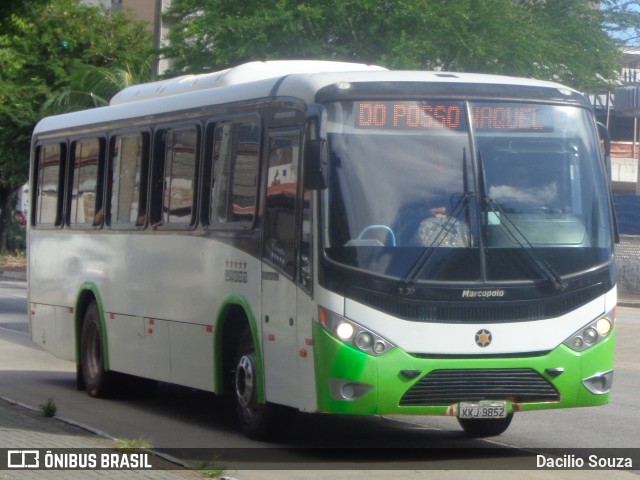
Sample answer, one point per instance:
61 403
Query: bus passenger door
279 323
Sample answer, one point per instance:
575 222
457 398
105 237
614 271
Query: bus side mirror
316 151
315 164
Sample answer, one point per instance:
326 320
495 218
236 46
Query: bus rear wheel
97 380
485 427
259 421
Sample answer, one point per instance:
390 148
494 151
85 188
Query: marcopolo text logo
483 293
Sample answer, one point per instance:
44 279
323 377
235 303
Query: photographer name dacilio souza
586 462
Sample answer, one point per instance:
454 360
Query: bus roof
245 73
295 79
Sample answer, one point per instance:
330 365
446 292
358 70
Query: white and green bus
330 237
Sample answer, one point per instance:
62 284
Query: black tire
97 380
485 427
259 421
79 379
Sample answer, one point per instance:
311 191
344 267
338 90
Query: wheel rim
93 352
245 385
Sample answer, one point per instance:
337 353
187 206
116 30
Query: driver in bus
440 230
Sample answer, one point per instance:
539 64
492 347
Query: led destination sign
408 115
491 117
425 115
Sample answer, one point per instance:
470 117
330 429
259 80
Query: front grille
445 387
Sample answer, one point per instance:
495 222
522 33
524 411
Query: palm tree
91 86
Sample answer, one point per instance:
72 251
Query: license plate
482 409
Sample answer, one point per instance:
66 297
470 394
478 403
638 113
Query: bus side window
235 173
85 202
47 197
173 187
179 177
128 164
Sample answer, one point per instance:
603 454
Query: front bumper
352 382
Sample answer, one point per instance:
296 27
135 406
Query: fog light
577 342
379 348
348 391
345 331
599 384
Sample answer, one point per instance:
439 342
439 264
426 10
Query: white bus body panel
172 337
52 328
307 310
145 337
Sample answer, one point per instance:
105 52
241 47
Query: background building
624 129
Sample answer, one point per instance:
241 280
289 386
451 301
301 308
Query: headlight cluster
591 334
353 334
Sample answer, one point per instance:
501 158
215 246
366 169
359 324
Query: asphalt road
187 423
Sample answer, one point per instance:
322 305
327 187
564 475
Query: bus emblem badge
483 338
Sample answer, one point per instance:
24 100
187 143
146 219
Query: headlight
591 334
345 331
353 334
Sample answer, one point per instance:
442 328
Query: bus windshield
465 191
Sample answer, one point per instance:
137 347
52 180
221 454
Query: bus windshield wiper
407 283
532 253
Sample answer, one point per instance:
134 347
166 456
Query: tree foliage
562 40
622 20
41 42
91 86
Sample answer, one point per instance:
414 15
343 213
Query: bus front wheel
96 378
485 427
259 421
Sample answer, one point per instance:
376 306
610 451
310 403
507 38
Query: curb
13 275
82 426
98 433
631 303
